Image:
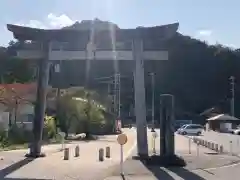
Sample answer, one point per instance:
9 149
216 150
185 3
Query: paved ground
224 139
87 167
204 166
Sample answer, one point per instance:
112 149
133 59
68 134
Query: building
222 122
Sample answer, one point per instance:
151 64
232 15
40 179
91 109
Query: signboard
122 139
118 124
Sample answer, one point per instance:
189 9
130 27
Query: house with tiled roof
18 99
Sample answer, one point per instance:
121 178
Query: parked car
236 131
195 129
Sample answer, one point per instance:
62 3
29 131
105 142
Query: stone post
167 125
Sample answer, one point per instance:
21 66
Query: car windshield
183 126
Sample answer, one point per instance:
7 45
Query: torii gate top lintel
34 34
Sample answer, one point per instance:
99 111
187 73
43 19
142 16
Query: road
87 166
200 167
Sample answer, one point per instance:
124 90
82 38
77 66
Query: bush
4 141
19 135
49 131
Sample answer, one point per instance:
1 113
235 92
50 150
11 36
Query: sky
214 21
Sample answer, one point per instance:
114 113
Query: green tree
81 109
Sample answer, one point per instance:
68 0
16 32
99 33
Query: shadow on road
24 179
8 170
161 174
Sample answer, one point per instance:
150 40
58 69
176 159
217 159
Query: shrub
49 130
4 141
19 135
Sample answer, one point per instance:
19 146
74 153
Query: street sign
122 139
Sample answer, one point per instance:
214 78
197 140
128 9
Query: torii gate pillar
139 93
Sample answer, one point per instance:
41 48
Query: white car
195 129
236 131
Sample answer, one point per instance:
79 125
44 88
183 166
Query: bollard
108 152
205 143
221 149
77 149
189 146
231 149
202 142
208 145
66 154
197 149
101 154
216 147
197 140
212 146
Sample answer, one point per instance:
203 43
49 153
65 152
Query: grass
10 147
14 147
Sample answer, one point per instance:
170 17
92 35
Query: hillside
196 73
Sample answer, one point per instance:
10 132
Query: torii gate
137 53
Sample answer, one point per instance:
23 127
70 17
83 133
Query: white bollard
154 136
231 148
197 149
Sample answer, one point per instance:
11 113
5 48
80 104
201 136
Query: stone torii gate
137 53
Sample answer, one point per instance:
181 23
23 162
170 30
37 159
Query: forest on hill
197 74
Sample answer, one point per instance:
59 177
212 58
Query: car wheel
184 133
198 133
238 133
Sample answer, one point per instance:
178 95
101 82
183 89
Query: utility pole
153 104
57 69
117 95
232 79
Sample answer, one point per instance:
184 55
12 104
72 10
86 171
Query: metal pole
153 107
232 78
57 70
121 160
119 96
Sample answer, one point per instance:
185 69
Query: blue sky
210 20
